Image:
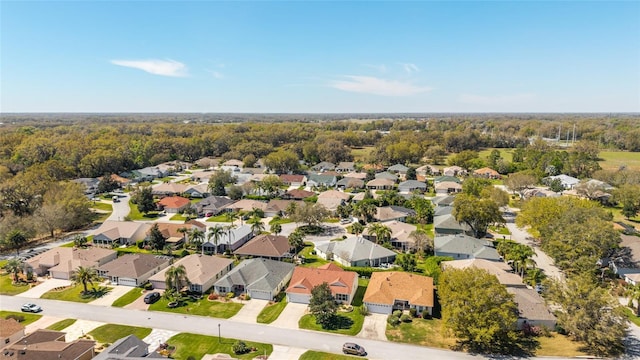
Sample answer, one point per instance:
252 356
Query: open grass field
317 355
612 160
128 298
28 317
74 293
62 324
111 332
506 154
198 345
271 312
361 154
203 307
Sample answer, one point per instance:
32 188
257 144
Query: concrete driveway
80 328
42 323
116 292
249 312
290 316
45 286
286 353
374 327
139 303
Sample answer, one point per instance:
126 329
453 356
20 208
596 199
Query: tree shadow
503 350
95 293
340 322
632 348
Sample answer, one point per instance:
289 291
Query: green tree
256 224
407 262
14 267
296 239
282 161
156 238
423 243
215 234
411 174
184 231
276 228
555 185
79 241
629 196
364 210
423 208
85 275
232 216
176 277
310 214
196 237
219 180
474 186
499 196
143 198
381 232
477 213
271 185
107 184
357 228
478 309
323 306
16 240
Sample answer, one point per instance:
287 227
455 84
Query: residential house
410 186
465 247
350 183
62 262
133 269
260 278
400 235
293 180
427 170
539 192
202 176
343 284
120 233
168 189
358 197
127 348
172 234
447 187
266 246
233 162
487 172
201 270
599 184
355 251
323 166
454 171
448 225
246 205
331 199
173 167
207 163
212 205
568 182
395 290
317 180
48 345
148 174
501 270
439 179
123 182
442 210
345 167
390 213
386 175
356 175
230 240
279 207
10 331
173 204
398 169
90 185
199 191
443 200
298 194
381 184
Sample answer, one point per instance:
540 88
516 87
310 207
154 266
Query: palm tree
84 275
255 212
256 224
382 232
232 216
364 210
357 228
276 229
176 277
230 234
215 233
79 241
14 266
184 231
196 236
634 294
296 239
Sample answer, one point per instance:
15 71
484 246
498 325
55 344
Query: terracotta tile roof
305 279
265 246
173 202
9 327
386 287
330 266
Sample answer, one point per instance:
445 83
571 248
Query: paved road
120 208
230 329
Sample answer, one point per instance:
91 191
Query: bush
213 296
140 244
18 318
184 253
397 313
239 347
230 295
393 320
364 310
413 312
426 315
147 286
247 297
405 318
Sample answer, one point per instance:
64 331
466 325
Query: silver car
29 307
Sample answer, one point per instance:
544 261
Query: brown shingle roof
134 265
47 345
265 246
199 268
386 287
300 194
305 279
9 327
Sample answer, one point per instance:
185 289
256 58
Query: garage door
127 282
158 284
264 295
379 309
60 275
298 298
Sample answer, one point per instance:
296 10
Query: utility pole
574 133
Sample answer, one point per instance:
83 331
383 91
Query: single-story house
279 207
345 167
443 200
62 262
298 194
260 278
539 192
343 284
442 210
173 204
398 169
133 269
439 179
395 290
532 310
355 251
400 235
425 170
293 180
381 184
599 184
465 247
411 186
201 270
330 203
568 182
453 171
447 187
45 344
316 180
129 347
323 166
356 175
386 175
10 331
171 232
233 162
266 246
199 191
148 174
230 240
246 205
350 183
499 269
213 205
207 162
90 184
448 225
390 213
120 233
334 194
487 172
168 189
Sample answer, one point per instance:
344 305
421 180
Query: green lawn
128 298
198 345
280 221
271 312
420 332
202 307
612 160
63 324
317 355
427 228
178 217
361 154
28 317
362 288
8 288
133 249
102 206
111 332
347 323
506 154
501 230
134 214
218 218
73 293
69 244
631 315
310 259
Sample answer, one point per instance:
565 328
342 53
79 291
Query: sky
319 57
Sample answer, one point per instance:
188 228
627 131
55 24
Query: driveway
374 327
116 292
157 337
139 303
80 328
45 286
290 316
286 353
42 323
249 312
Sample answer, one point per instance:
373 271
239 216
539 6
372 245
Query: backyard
196 346
311 260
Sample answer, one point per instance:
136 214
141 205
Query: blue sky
205 56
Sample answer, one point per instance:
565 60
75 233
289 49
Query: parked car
345 221
151 297
30 307
353 349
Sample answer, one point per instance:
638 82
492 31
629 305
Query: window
342 297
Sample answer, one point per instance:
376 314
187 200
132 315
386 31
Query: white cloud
515 99
157 67
410 68
377 86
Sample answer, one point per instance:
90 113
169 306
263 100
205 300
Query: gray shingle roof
463 244
257 274
356 249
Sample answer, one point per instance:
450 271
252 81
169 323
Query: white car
30 307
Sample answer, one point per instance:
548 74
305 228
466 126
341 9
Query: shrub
393 320
184 253
364 310
18 318
397 313
140 244
413 312
247 297
405 318
239 347
148 286
426 315
213 296
230 295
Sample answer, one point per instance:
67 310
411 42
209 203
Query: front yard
317 355
311 260
8 288
347 323
109 333
62 324
196 346
203 307
126 299
74 293
271 312
28 317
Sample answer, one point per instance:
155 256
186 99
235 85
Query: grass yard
501 230
8 288
506 154
134 214
271 312
420 332
361 154
128 298
198 345
63 324
111 332
362 287
612 160
280 221
427 228
317 355
28 317
631 315
218 218
178 217
311 260
73 293
347 324
202 307
102 206
558 345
